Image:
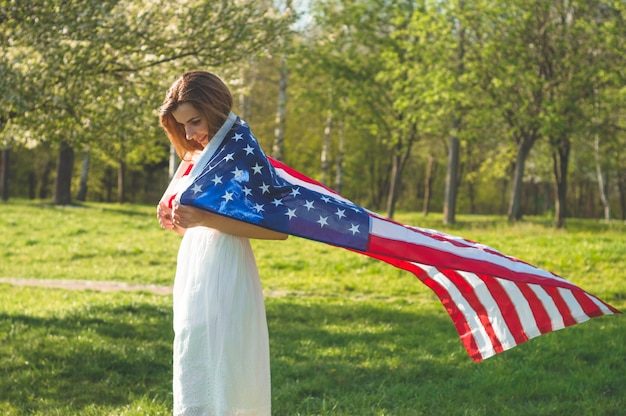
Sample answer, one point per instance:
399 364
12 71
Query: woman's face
196 127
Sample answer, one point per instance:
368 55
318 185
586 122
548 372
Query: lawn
349 335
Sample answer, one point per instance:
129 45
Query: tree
449 207
513 78
85 47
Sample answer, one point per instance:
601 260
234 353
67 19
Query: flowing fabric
495 301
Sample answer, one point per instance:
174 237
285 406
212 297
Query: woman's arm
185 216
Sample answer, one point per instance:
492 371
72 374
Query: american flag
495 301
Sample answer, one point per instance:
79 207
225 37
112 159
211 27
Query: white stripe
471 317
201 159
575 309
494 313
599 304
215 142
312 186
556 320
398 232
522 308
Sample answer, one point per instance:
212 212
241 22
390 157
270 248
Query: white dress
221 344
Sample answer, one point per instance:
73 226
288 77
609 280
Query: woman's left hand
186 216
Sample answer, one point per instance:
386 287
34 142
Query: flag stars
257 169
295 192
228 196
237 173
308 205
248 149
216 180
229 156
325 199
340 213
196 188
277 202
291 213
354 229
237 137
322 221
247 191
264 188
258 208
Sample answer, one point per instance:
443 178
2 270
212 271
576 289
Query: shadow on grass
373 359
103 357
113 207
328 357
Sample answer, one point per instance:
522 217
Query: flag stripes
491 314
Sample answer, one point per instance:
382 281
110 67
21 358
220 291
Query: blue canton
240 182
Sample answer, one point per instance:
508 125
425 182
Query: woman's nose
189 133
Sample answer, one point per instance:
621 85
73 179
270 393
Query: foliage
398 77
100 64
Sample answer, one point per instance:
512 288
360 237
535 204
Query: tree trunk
449 207
248 78
452 176
64 169
601 186
397 165
428 183
393 180
560 158
4 173
340 149
471 193
279 131
523 149
121 173
173 163
43 182
108 184
84 174
326 146
621 185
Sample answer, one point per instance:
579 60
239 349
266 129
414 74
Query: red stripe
561 305
279 165
442 259
507 308
453 240
170 201
542 318
588 306
468 292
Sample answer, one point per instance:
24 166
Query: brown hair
208 94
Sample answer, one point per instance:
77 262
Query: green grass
86 242
349 335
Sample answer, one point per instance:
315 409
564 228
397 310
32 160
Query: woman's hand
164 215
186 216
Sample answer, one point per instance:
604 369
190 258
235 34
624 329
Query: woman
221 345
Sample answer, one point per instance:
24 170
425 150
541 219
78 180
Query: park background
501 121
